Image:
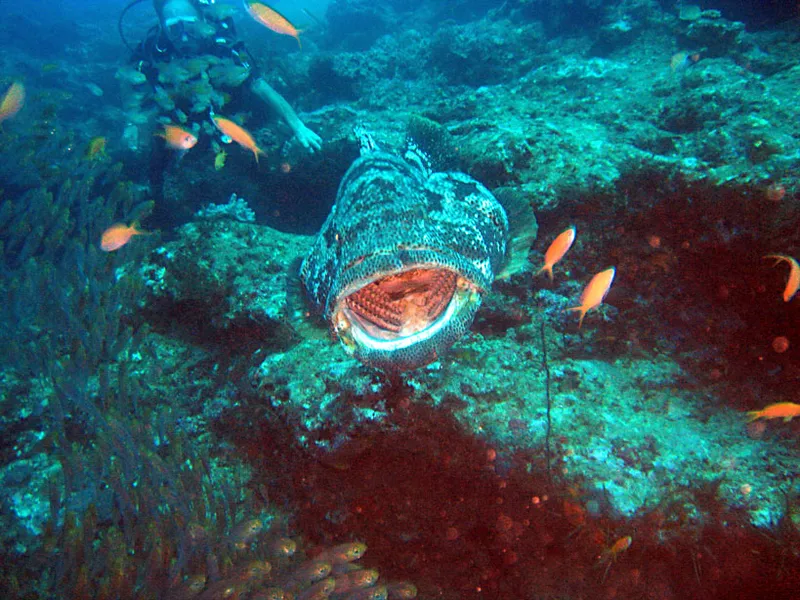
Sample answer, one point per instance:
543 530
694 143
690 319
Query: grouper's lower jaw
407 319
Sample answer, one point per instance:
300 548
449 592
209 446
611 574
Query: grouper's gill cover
400 264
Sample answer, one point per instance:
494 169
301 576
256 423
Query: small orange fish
178 138
253 570
12 101
356 580
775 192
794 275
594 293
96 148
319 590
402 590
283 547
311 572
244 532
557 250
683 60
617 547
380 592
781 410
238 134
343 553
188 588
609 555
273 20
119 234
223 589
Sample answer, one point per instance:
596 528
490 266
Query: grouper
402 261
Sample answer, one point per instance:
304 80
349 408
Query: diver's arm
304 135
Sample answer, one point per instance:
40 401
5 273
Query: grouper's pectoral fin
523 229
301 316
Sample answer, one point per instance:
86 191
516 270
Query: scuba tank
122 14
159 6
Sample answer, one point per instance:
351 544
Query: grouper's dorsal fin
415 156
366 142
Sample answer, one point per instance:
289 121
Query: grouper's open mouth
418 310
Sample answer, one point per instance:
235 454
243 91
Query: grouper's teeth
401 304
430 307
375 307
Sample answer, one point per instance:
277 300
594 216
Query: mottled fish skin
392 216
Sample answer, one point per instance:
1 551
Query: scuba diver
190 65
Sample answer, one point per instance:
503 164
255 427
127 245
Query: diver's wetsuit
157 47
181 40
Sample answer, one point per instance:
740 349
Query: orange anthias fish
794 275
594 293
178 138
273 20
557 250
119 234
782 410
238 134
610 554
12 101
616 548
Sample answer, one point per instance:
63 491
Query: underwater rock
486 53
229 274
717 36
236 209
403 259
356 24
689 12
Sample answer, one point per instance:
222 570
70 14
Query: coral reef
225 275
236 209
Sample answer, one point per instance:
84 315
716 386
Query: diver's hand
307 138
